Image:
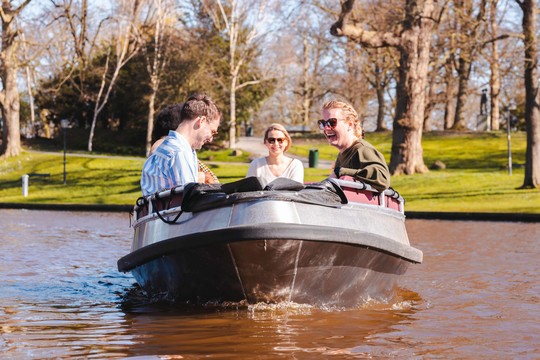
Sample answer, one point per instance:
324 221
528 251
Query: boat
338 242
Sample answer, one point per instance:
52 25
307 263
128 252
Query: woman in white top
276 164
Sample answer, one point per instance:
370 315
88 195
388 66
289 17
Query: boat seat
365 194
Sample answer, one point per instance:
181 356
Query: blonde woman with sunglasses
276 164
357 158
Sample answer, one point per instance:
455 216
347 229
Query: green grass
475 180
222 156
456 150
89 180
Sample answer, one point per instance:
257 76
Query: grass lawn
475 179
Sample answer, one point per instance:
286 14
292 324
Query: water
477 295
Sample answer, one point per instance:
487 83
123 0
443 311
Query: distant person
276 164
175 162
483 102
357 158
168 119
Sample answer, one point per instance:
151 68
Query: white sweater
259 167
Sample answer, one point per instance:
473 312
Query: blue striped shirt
174 163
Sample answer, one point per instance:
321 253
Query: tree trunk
232 126
430 103
413 44
97 107
464 72
449 96
30 99
381 126
495 86
495 76
151 112
381 99
306 88
10 109
532 104
407 152
9 96
29 83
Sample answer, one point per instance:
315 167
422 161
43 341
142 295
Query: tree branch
374 39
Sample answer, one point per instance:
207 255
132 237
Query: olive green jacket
363 162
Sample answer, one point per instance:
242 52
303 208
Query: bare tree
9 95
120 44
449 94
494 54
412 40
33 49
308 84
76 28
444 49
30 81
378 72
495 76
72 18
160 18
468 32
241 21
353 84
122 47
532 103
431 101
318 65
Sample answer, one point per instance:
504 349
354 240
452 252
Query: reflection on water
268 331
476 295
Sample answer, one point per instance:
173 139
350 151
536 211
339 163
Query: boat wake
137 300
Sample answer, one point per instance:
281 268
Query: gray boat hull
273 271
268 250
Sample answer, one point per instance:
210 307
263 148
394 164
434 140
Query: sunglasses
332 122
272 140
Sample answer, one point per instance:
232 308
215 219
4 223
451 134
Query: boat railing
165 202
358 191
168 201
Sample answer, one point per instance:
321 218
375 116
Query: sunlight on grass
475 180
464 191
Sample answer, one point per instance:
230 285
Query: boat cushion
251 183
199 197
284 184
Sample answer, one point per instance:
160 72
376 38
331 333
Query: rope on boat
164 195
170 222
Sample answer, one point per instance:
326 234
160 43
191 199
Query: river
477 295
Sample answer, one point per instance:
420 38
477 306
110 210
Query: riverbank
434 215
475 180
